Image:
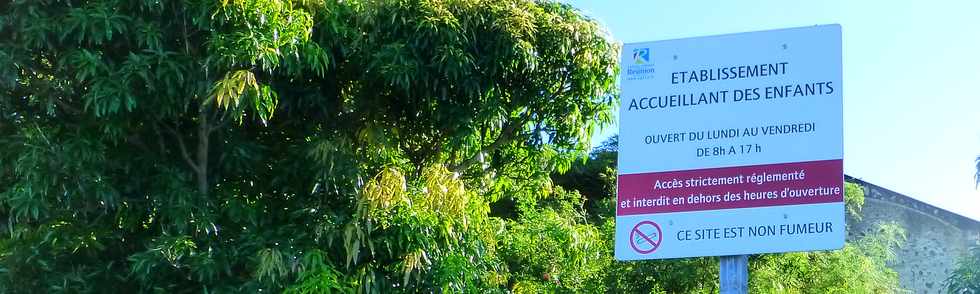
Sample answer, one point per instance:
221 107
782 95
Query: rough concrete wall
936 237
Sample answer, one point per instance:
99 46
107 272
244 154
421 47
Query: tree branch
163 149
135 140
70 109
219 121
506 134
512 127
182 147
203 133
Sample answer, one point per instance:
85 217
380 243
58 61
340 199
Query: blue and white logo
641 55
642 66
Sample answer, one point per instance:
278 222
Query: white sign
731 145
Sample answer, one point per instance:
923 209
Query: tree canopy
976 176
965 277
239 145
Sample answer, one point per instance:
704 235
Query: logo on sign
646 237
641 55
642 67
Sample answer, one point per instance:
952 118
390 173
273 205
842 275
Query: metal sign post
733 273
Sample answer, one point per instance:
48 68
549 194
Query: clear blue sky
911 109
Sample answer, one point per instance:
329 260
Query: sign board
731 145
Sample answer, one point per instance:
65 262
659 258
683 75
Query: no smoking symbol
646 237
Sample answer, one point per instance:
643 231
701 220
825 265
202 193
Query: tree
966 277
595 179
976 176
299 146
860 267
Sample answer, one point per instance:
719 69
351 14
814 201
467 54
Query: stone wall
936 237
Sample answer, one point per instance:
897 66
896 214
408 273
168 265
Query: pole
733 273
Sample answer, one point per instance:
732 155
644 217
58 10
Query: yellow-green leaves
443 194
414 262
235 84
405 135
260 33
239 85
375 205
271 266
434 208
860 267
854 199
382 194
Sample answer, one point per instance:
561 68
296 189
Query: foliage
291 145
966 277
552 249
595 179
860 267
853 200
976 176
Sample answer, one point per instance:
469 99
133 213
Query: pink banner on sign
731 187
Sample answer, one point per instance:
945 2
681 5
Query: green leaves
976 176
94 23
578 266
966 277
235 84
391 134
271 266
240 85
381 194
25 203
853 199
317 276
860 267
108 96
259 33
87 64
